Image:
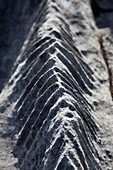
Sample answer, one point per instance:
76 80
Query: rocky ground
56 82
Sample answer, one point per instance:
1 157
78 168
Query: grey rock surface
56 107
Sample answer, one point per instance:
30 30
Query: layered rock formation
54 102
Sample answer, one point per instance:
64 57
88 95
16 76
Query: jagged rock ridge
53 116
51 91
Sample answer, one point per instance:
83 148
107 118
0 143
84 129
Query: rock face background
56 85
16 19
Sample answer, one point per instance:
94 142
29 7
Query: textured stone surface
104 21
56 108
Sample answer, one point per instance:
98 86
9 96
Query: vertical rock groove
104 10
106 59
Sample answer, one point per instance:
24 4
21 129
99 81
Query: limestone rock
52 104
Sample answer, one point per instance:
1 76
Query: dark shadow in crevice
97 10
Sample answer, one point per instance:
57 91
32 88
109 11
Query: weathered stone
55 103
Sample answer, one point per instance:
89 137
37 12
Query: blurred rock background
16 18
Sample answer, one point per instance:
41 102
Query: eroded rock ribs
54 125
